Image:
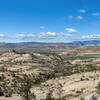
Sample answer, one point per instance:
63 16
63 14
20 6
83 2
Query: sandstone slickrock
74 79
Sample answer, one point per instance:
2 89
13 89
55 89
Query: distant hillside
49 47
87 42
37 47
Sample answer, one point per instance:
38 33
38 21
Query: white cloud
2 35
50 36
47 34
42 27
51 33
96 14
42 36
82 11
23 35
79 17
53 36
64 34
91 36
71 30
70 17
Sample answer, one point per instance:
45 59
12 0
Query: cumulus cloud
64 34
79 17
51 33
23 36
48 36
4 38
53 36
91 36
96 14
82 11
2 35
45 36
71 30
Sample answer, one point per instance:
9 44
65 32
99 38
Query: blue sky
49 20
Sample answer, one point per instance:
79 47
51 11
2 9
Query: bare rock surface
58 75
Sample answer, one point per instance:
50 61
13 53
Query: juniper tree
25 88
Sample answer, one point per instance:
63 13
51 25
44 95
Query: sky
49 20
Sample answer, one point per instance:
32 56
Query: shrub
98 88
93 97
49 96
25 88
82 98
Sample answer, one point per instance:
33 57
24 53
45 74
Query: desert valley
71 72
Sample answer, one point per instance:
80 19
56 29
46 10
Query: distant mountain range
86 42
45 47
74 42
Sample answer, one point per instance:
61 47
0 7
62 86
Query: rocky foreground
70 80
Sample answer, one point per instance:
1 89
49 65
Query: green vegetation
66 71
86 56
25 88
93 97
98 88
49 96
82 98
